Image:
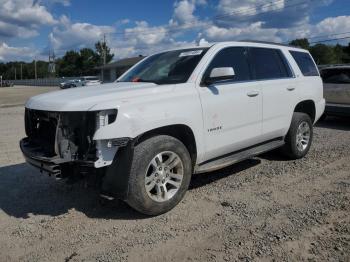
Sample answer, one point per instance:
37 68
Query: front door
232 109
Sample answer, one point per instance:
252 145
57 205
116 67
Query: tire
145 172
297 146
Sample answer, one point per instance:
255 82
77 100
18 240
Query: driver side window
235 57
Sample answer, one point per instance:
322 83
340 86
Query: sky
30 28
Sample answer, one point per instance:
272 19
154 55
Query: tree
102 47
323 54
346 58
68 65
339 53
88 61
301 42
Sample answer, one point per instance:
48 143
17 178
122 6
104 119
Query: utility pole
15 73
103 56
104 49
21 72
52 67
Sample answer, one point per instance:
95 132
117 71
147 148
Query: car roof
240 43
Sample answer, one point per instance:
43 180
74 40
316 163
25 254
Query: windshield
171 67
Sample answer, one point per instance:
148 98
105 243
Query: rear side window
269 64
305 63
235 57
336 75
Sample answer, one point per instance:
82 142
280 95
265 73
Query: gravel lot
260 209
17 95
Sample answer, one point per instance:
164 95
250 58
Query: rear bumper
337 109
320 108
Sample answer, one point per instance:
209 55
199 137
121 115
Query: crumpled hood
86 97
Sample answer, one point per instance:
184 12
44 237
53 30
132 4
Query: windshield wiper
139 81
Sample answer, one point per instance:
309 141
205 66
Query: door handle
290 88
253 93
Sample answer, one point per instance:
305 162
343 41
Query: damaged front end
61 143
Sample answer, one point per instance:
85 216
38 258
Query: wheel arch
308 107
179 131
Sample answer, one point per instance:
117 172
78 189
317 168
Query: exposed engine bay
67 138
67 135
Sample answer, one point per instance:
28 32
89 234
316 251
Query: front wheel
160 175
299 136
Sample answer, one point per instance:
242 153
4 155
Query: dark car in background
336 89
71 83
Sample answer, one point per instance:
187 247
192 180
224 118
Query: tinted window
336 75
305 63
269 64
235 57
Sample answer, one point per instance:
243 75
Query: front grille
40 128
67 134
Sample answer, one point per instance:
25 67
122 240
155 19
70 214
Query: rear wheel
299 136
160 175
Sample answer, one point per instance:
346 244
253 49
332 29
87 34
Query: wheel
160 175
299 136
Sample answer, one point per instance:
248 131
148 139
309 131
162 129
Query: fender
140 115
115 183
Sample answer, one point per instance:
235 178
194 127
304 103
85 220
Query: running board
238 156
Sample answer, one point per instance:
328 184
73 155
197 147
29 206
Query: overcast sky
29 28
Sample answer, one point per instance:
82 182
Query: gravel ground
262 209
17 95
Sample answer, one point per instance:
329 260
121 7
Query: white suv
177 113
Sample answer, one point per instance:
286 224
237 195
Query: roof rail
267 42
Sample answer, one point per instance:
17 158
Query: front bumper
115 177
34 156
337 109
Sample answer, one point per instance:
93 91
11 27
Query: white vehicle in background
91 80
336 86
177 113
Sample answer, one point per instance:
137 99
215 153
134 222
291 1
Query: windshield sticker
191 53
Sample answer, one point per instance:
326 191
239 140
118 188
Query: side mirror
220 74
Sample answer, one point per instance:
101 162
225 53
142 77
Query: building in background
110 72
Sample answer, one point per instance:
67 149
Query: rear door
232 109
279 89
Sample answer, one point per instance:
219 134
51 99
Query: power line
329 40
194 24
262 12
321 36
190 25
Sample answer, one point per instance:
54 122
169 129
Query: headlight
106 117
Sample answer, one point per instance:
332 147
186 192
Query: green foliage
8 70
101 48
325 54
72 63
302 42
